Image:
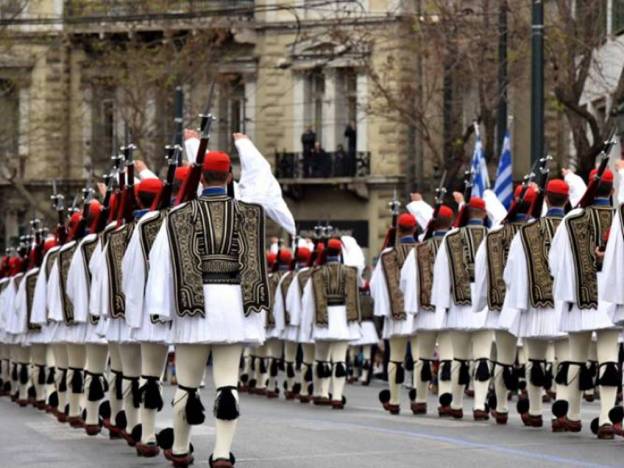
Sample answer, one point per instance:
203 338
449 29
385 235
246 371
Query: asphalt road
277 433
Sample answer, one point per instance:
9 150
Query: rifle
102 219
526 181
188 191
440 192
128 199
117 172
590 193
462 217
293 263
179 120
58 203
36 251
542 178
87 196
395 207
163 200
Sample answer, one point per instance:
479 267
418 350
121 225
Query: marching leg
153 361
608 378
323 373
262 369
536 378
367 351
460 371
60 358
94 384
307 372
50 387
338 357
38 359
482 352
445 387
505 379
76 361
579 346
115 392
131 370
275 357
23 360
422 349
246 370
290 354
396 373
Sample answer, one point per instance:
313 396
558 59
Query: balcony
81 11
294 171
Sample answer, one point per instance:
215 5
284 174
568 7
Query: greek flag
503 187
481 180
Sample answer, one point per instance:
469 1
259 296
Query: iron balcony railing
321 166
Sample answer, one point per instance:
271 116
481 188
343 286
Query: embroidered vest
218 240
148 230
302 277
586 231
425 258
117 243
286 282
536 238
497 250
87 248
336 284
462 245
64 260
366 307
31 282
392 261
274 279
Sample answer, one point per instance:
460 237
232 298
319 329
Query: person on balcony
308 140
321 162
350 134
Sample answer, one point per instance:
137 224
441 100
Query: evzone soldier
228 312
5 359
575 262
331 316
153 334
489 294
531 312
428 322
452 293
389 303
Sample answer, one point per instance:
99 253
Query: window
9 124
617 17
231 111
103 128
315 93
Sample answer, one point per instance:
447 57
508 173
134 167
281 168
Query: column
249 114
362 102
298 110
329 110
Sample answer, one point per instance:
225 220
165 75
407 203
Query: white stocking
321 356
422 351
116 404
153 361
76 356
60 358
367 351
131 369
38 359
579 348
607 352
536 351
308 363
506 345
445 350
461 352
481 351
338 355
290 354
95 364
398 346
224 372
275 355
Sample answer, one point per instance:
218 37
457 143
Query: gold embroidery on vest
31 282
274 279
335 283
425 258
392 262
462 246
64 260
585 232
117 243
497 250
286 282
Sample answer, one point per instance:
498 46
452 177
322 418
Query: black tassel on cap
226 405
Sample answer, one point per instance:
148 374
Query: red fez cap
335 244
607 176
217 161
15 264
113 202
407 221
271 257
95 208
557 186
182 172
152 185
49 243
529 195
303 254
75 218
476 202
284 256
445 212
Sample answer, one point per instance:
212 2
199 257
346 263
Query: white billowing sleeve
480 290
95 294
379 291
516 276
577 187
191 145
409 283
258 185
352 254
279 311
620 191
54 295
133 280
495 209
611 279
77 286
293 301
159 293
308 307
19 312
104 307
147 174
422 211
561 264
441 288
39 313
9 307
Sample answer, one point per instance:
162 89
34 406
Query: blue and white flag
481 179
503 187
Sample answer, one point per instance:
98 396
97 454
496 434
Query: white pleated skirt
492 320
117 331
150 332
463 318
369 334
224 321
337 329
69 333
532 323
42 336
430 320
574 319
92 336
273 332
392 327
291 333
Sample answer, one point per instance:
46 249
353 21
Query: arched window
9 123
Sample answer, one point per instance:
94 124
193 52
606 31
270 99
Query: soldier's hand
139 165
190 133
599 254
565 171
416 196
619 165
239 136
458 197
101 188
